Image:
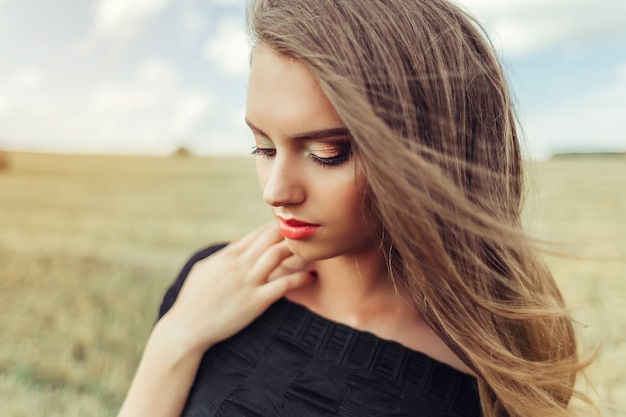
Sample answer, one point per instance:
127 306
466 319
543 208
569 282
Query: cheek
361 205
355 192
262 171
348 196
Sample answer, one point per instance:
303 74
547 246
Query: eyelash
325 162
266 152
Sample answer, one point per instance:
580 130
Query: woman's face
304 163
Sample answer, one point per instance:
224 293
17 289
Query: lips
296 229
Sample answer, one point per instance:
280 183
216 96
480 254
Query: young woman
397 280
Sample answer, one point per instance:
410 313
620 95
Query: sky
149 76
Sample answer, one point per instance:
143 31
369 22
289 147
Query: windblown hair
425 100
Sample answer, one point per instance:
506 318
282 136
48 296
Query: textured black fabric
292 362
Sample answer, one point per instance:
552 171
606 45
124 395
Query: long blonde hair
425 100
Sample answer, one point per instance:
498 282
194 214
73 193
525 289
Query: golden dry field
88 245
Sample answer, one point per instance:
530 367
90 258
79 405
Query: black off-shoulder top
291 362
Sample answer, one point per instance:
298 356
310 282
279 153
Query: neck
354 284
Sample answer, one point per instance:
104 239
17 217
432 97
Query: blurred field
88 245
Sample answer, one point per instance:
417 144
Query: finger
269 261
239 245
269 237
277 288
292 264
295 263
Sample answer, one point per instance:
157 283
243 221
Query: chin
310 251
317 251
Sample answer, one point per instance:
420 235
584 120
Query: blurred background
123 150
145 77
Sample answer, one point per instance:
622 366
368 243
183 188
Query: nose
283 183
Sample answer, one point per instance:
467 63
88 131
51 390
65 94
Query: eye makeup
329 153
264 148
326 155
328 148
266 152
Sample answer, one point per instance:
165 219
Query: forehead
284 97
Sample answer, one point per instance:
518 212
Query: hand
290 265
226 291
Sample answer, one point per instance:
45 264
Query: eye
330 154
266 152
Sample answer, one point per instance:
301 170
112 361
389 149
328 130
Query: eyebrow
313 135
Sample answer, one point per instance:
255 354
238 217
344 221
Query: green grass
88 245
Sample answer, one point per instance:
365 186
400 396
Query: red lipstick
296 229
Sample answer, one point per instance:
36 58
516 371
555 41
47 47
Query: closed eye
266 152
330 154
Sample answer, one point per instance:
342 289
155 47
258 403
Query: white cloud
525 26
591 121
189 113
152 114
19 88
119 18
25 79
192 20
228 48
157 72
229 135
517 38
229 2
